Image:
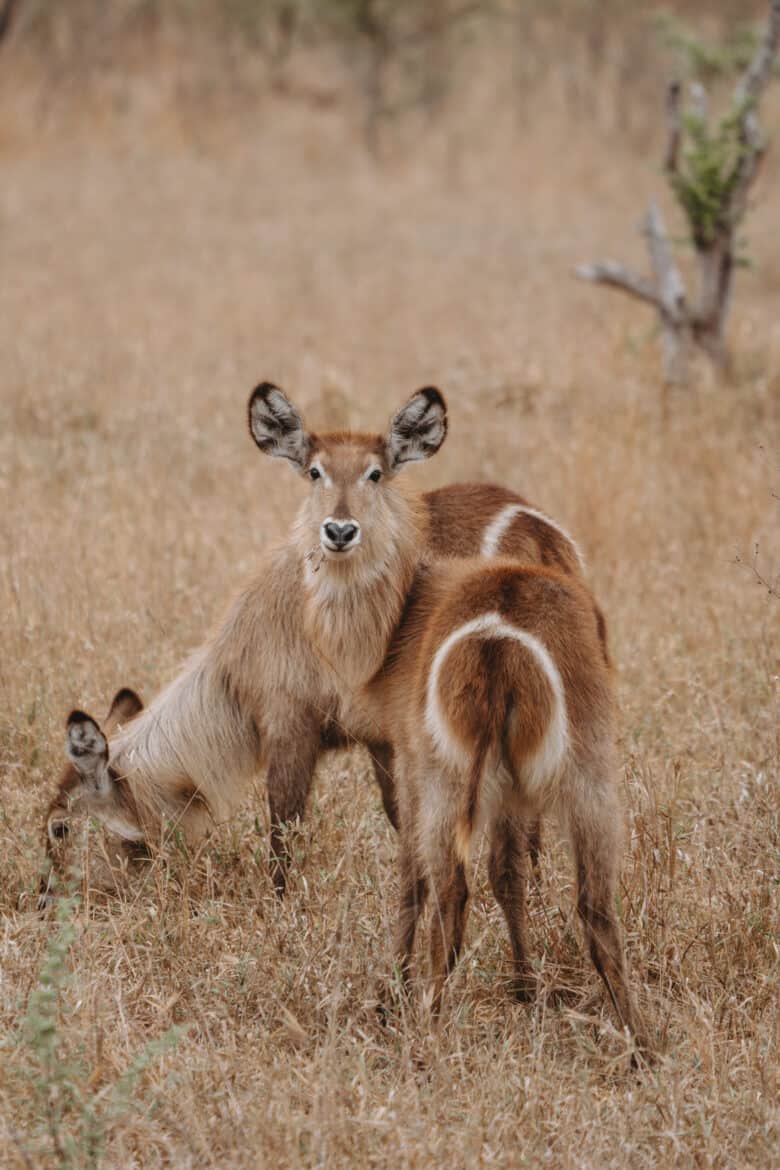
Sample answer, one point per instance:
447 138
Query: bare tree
406 43
711 170
7 13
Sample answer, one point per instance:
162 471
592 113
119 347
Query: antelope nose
341 535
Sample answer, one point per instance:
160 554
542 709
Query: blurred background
355 198
393 66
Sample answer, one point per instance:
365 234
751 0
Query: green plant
704 181
74 1115
710 168
696 57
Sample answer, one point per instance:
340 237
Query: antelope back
483 519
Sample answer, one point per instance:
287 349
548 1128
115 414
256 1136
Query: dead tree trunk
711 183
7 14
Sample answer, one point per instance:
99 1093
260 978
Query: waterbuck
487 679
259 693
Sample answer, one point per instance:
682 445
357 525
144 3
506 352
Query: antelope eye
315 473
375 475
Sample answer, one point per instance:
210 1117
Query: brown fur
519 721
268 689
457 518
67 799
498 706
461 512
495 695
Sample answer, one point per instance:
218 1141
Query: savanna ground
166 245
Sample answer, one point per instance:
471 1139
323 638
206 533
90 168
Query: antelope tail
490 743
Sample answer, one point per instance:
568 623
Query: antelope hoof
524 988
390 995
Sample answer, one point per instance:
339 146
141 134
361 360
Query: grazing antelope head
354 514
89 783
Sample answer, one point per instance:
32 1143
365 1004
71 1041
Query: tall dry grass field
159 256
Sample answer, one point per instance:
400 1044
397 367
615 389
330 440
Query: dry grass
152 273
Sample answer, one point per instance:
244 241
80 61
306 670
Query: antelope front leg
291 764
411 902
414 891
383 763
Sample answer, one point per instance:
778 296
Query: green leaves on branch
709 170
701 59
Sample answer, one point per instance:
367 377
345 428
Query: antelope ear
418 429
88 751
125 705
276 426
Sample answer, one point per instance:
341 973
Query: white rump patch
550 754
500 524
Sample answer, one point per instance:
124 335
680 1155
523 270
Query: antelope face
58 817
350 497
88 782
353 510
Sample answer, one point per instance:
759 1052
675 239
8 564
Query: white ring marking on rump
550 753
500 524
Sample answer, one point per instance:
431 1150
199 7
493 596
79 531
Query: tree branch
666 294
7 13
611 273
700 106
671 290
673 126
436 24
772 586
747 96
759 70
753 149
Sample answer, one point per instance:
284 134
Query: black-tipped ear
418 429
276 426
125 705
88 750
